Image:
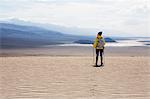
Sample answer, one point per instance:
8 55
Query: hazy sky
124 16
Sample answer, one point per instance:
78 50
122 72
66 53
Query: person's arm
95 43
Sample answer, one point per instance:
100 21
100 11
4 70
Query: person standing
99 44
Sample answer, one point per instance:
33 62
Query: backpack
100 43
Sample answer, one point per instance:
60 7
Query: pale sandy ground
72 76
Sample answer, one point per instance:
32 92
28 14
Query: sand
72 76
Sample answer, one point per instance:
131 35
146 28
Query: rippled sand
74 77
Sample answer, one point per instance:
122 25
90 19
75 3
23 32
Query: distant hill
84 42
54 27
13 36
19 36
107 39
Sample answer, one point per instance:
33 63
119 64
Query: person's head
99 33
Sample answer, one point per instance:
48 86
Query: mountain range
13 35
25 35
54 27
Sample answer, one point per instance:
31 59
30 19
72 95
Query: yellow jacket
97 40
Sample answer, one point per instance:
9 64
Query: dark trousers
99 51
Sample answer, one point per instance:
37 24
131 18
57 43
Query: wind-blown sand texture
124 76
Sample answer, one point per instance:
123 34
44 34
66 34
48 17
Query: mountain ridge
13 35
31 36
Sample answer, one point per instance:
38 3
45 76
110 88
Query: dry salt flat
74 77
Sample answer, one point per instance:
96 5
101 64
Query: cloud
120 15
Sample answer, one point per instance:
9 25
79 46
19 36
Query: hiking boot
96 65
102 64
